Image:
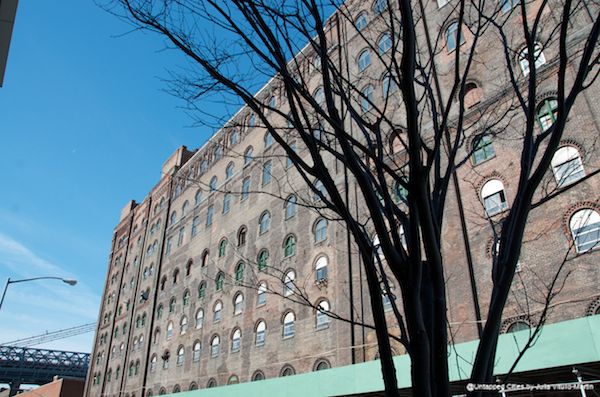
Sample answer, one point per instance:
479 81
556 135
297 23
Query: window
380 6
172 305
321 365
180 356
153 361
219 281
472 95
209 215
290 207
320 230
390 85
268 140
159 311
266 173
361 21
180 236
239 272
400 192
264 222
183 325
238 302
222 247
320 188
248 156
288 325
234 138
173 218
199 318
585 229
452 32
252 120
195 224
188 268
229 171
288 162
193 386
245 188
236 340
242 236
384 43
538 58
567 166
321 268
213 184
233 380
483 149
226 203
518 326
321 316
547 112
169 246
201 290
217 311
507 5
184 208
197 349
214 347
261 328
288 283
261 294
289 246
211 383
364 60
366 98
272 103
263 258
203 166
494 199
186 298
204 258
169 330
319 96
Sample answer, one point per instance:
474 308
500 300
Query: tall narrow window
195 224
169 330
186 298
452 32
567 166
266 173
261 294
263 258
222 248
197 349
238 303
261 328
384 43
239 272
217 311
264 222
234 138
242 236
210 212
319 96
320 230
290 207
236 340
213 184
361 21
321 269
289 248
180 236
538 57
288 283
215 346
288 325
268 140
183 325
380 6
248 156
547 112
585 229
218 153
494 198
226 203
364 60
322 319
199 318
229 171
245 188
483 149
202 290
219 281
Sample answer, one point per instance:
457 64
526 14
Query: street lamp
69 281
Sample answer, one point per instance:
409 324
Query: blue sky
85 126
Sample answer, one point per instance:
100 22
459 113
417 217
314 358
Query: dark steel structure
19 365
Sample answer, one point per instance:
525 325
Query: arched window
175 276
322 364
260 329
263 258
236 340
222 247
266 172
322 319
219 280
264 222
366 98
567 166
258 375
169 330
547 112
242 236
319 187
272 103
390 85
238 302
290 207
251 120
215 346
153 361
538 57
380 6
184 208
226 203
245 188
507 5
519 325
288 325
201 290
210 212
183 325
213 184
320 230
195 225
173 218
204 258
321 269
203 167
180 356
288 370
162 391
196 350
361 21
186 298
248 156
156 335
188 268
319 96
217 311
472 95
229 170
289 246
172 303
199 318
218 152
452 32
364 60
288 283
239 272
494 198
268 140
234 138
198 197
193 386
233 380
385 43
211 383
261 294
482 149
585 229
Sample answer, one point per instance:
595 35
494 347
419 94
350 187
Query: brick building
206 272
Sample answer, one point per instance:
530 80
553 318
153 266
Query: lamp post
69 281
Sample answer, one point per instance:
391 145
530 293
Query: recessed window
186 298
218 153
213 184
320 230
518 326
380 6
181 236
361 21
452 32
538 58
248 156
234 138
289 246
173 218
210 212
472 95
180 356
494 198
198 197
507 5
236 340
385 43
238 303
217 311
321 269
547 112
290 207
322 319
239 272
567 166
222 248
261 329
263 258
211 382
203 166
183 325
199 318
288 325
169 330
272 102
389 85
214 349
261 294
202 290
219 281
483 149
245 188
366 98
264 222
226 203
196 351
268 140
242 236
288 283
266 173
585 229
364 60
229 171
172 305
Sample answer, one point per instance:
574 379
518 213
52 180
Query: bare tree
235 47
